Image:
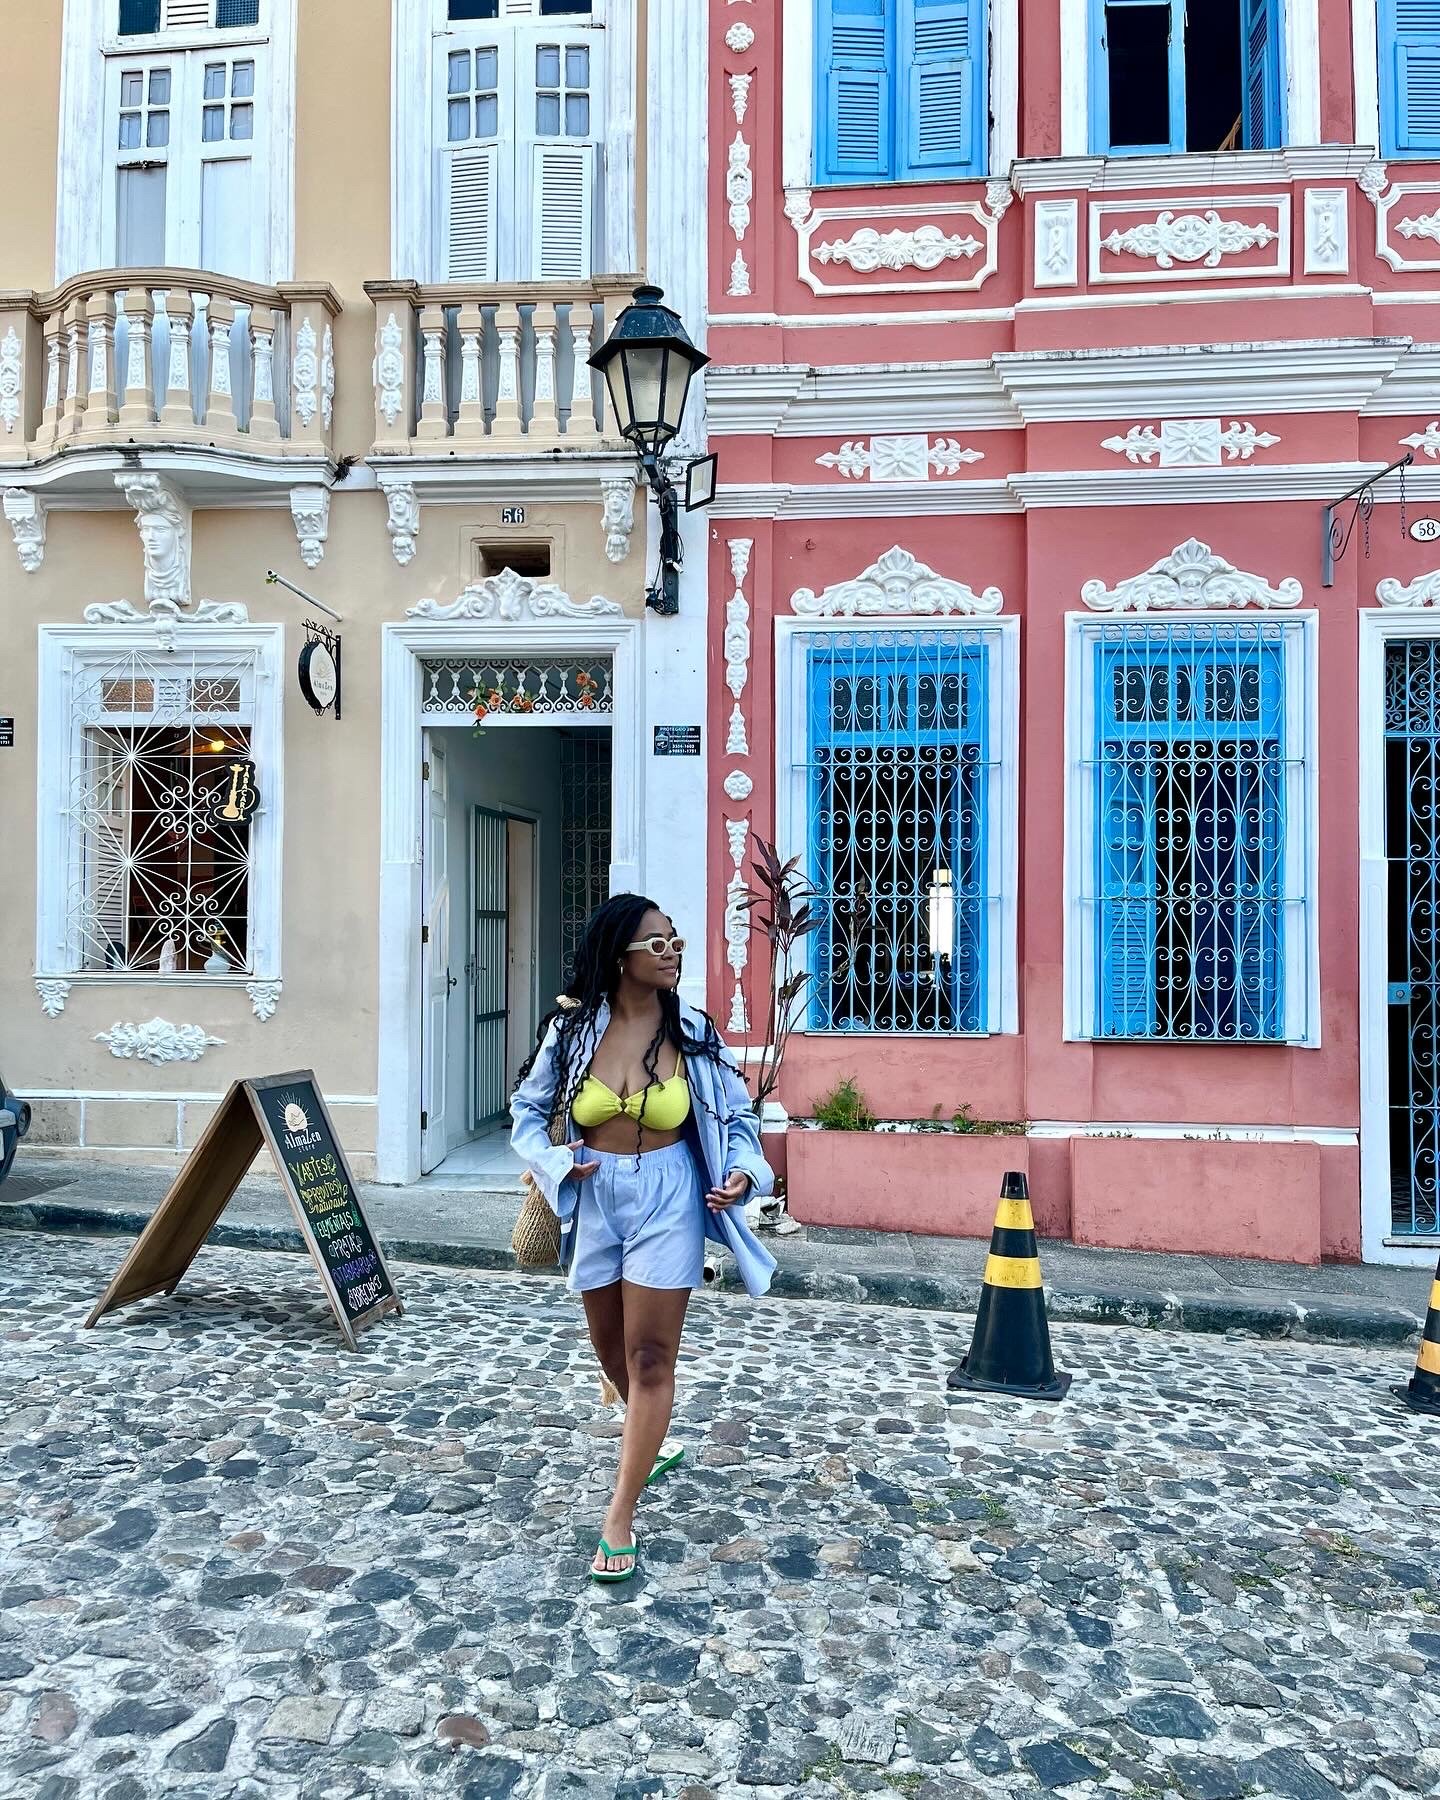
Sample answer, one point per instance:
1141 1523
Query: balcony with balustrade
227 379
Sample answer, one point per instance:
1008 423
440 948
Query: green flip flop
613 1575
664 1466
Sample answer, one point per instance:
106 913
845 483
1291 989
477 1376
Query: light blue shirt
722 1132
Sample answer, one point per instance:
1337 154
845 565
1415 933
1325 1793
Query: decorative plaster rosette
158 1042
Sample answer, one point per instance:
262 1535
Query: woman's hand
735 1188
582 1170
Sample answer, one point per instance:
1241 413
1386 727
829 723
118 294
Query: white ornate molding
895 583
738 285
739 37
1427 440
53 995
389 374
158 1042
737 619
739 785
512 598
264 998
403 519
1327 231
1423 591
1189 238
163 521
1057 243
923 247
737 741
739 186
737 922
12 364
305 373
25 514
999 196
617 515
310 509
1422 225
740 96
909 456
327 377
1191 578
1372 181
1182 443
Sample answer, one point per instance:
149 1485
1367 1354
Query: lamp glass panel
645 373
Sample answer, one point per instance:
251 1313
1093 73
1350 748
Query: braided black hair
593 981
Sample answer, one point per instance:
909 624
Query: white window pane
157 130
577 115
487 116
547 115
132 88
140 217
159 87
459 121
225 217
242 80
547 65
213 131
459 72
487 68
214 81
577 67
129 131
242 121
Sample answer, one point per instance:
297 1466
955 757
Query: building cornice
800 401
85 479
836 500
449 479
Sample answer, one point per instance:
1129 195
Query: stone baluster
178 412
57 364
545 415
583 423
138 405
434 422
220 420
470 417
507 426
264 421
101 412
613 307
77 370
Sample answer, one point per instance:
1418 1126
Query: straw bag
536 1237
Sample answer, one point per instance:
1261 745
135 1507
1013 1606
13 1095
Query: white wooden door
436 978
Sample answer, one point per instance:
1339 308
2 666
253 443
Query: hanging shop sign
7 734
287 1115
1425 531
319 668
677 740
234 798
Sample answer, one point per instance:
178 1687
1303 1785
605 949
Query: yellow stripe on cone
1012 1272
1010 1350
1422 1393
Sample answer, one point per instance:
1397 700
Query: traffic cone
1423 1391
1010 1351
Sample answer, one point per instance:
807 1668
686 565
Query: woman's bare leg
654 1319
605 1315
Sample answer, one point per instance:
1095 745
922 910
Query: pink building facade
1043 332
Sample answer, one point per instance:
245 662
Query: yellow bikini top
663 1106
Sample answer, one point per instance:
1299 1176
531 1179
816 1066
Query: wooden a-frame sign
286 1114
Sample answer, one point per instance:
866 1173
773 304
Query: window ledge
102 978
1197 169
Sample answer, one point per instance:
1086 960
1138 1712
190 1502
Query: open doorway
516 855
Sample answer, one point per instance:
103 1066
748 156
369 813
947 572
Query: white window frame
416 28
62 650
797 98
791 800
85 163
1302 74
1301 949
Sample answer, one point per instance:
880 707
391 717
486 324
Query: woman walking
661 1143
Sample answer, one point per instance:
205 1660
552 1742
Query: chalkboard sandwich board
288 1115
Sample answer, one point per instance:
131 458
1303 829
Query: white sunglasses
657 945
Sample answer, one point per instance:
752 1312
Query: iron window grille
514 688
1195 860
907 835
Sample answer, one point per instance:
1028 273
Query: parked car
14 1123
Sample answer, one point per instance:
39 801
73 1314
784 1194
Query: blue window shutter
1261 107
941 56
856 91
1410 77
1127 897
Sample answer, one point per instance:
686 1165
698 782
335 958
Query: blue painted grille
898 784
1189 780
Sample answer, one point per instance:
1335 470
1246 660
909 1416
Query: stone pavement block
308 1718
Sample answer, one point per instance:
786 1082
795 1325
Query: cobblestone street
237 1560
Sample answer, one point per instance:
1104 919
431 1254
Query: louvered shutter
1261 127
188 15
940 56
857 127
1127 902
561 210
470 225
1414 88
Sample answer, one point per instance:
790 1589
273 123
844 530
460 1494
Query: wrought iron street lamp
648 363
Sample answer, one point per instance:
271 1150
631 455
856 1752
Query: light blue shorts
640 1218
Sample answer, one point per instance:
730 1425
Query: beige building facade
308 288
